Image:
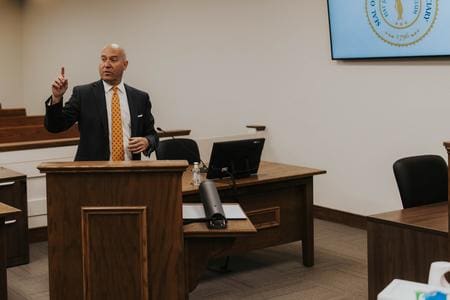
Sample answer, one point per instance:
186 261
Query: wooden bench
12 112
17 127
15 121
34 133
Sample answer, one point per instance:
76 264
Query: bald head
113 62
118 48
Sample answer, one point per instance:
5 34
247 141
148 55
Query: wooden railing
20 132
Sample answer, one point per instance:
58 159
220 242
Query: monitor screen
389 28
235 158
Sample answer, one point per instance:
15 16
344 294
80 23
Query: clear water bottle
196 178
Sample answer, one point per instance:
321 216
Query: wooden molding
38 234
340 217
108 166
265 218
127 252
257 127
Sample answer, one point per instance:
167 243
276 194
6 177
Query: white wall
215 66
10 54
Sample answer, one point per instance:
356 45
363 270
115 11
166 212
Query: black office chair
421 179
173 149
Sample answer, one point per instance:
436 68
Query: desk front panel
276 209
402 252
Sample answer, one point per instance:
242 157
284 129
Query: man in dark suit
114 119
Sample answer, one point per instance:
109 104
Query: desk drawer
13 192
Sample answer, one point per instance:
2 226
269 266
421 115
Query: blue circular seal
401 22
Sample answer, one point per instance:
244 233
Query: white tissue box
408 290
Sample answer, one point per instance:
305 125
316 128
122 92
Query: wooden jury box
13 192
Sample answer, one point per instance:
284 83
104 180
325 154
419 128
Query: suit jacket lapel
100 99
131 105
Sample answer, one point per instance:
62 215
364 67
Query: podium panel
114 255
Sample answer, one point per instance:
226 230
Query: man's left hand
138 144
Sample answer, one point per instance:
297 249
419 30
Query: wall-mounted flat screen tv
361 29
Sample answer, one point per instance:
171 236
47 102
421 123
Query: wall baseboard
340 217
39 234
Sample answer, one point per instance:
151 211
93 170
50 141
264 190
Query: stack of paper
195 211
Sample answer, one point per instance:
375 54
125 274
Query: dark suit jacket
87 106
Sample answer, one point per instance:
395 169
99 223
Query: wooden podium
115 230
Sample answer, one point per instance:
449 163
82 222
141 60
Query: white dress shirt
125 115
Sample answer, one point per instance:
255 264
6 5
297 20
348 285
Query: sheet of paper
233 211
193 211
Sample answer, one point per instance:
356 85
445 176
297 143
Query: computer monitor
235 158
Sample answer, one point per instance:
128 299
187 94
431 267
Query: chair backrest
173 149
421 179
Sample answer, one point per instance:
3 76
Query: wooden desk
402 244
279 204
5 211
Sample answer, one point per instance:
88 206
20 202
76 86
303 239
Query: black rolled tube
210 198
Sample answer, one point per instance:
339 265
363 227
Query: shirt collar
109 87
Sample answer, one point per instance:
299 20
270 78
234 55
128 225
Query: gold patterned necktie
117 152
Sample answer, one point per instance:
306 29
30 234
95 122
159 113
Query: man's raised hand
59 87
